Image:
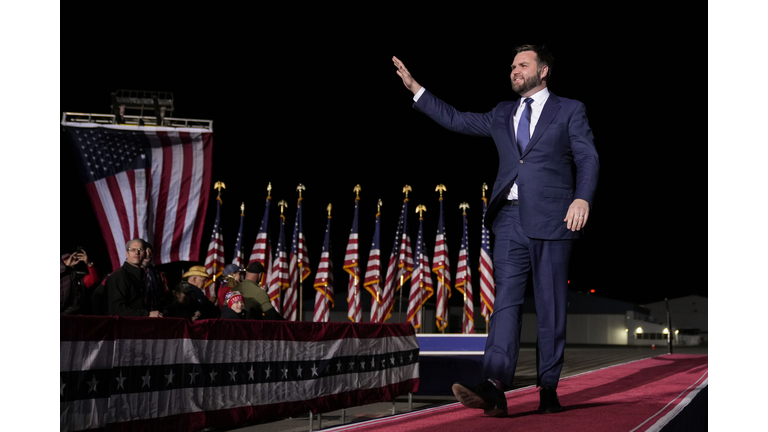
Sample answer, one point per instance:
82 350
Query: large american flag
372 282
399 268
238 259
324 280
487 287
298 269
421 281
279 278
261 249
441 266
146 183
351 266
214 261
464 282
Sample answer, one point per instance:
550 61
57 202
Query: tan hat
196 271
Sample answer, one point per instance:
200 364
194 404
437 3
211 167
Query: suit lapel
510 119
551 107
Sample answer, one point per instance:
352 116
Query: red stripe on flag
117 200
202 205
106 231
181 206
162 191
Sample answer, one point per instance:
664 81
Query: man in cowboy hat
197 276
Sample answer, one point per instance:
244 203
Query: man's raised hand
408 80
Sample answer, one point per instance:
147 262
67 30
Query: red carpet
643 395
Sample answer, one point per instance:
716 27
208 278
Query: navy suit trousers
516 258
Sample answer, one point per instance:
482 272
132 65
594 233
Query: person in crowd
76 286
255 298
156 293
124 288
197 276
183 305
235 307
230 277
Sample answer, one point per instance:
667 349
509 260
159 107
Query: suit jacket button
521 161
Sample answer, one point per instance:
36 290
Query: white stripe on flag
193 202
114 221
164 252
141 202
85 355
127 195
174 186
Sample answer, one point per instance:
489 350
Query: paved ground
579 359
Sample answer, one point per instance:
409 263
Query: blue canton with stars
105 152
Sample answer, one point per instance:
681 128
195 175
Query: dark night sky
313 98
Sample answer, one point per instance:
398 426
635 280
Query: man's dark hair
543 57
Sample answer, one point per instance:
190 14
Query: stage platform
622 388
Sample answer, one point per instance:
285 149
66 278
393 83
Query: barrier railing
162 374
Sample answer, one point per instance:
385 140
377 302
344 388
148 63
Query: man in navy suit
548 169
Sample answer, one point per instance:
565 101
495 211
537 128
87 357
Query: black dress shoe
485 396
548 401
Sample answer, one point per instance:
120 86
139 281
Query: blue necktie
524 126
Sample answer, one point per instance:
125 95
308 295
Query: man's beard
528 84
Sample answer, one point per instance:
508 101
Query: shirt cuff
418 95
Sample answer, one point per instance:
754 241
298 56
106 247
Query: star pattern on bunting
132 379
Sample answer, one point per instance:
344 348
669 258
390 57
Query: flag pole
218 186
300 188
406 189
464 206
444 294
487 321
420 209
282 204
325 288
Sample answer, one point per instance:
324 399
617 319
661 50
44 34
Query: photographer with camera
76 284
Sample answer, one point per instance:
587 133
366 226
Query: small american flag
149 183
324 280
298 268
351 266
279 278
487 287
399 268
372 281
261 249
464 282
441 266
421 281
214 261
238 259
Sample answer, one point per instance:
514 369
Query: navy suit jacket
559 164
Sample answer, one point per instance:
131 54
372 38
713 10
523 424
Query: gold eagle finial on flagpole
242 209
406 189
329 210
357 190
300 188
464 206
440 188
485 188
269 190
219 186
421 208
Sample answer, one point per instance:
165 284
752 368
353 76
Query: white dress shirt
537 106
